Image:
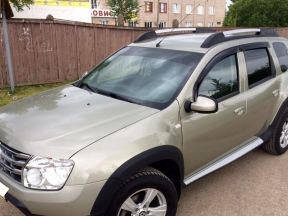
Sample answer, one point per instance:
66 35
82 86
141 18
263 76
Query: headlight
46 173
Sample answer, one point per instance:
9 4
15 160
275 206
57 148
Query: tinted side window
222 79
281 52
258 65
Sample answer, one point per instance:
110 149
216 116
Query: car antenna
158 44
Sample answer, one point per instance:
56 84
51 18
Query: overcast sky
228 2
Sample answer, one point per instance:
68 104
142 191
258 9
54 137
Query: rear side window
222 80
281 52
258 66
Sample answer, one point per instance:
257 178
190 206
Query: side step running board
224 161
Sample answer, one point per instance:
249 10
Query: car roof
184 42
200 42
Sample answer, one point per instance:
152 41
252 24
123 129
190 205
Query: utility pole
158 11
8 55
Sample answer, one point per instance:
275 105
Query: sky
228 2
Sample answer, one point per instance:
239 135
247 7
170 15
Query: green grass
7 97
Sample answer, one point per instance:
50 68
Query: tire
131 195
279 142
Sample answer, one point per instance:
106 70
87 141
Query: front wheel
147 193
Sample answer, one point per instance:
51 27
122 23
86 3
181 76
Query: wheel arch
267 135
167 159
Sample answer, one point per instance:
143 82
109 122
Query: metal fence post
8 51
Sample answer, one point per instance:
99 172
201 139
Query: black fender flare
130 167
267 135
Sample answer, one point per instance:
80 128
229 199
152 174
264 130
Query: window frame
276 53
165 7
255 46
215 60
192 8
146 6
179 7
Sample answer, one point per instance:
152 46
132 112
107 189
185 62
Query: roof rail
171 31
220 37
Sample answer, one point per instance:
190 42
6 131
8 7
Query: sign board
65 3
101 13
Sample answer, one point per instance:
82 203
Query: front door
208 136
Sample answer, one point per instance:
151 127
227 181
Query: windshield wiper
106 93
114 95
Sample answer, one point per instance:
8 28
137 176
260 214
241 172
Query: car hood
62 121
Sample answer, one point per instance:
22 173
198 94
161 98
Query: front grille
12 162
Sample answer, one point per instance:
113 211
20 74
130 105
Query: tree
125 10
20 4
257 13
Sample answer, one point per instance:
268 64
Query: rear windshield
147 76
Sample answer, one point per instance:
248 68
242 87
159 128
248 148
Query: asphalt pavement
254 185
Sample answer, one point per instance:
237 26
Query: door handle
240 111
276 92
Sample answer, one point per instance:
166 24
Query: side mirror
284 68
202 105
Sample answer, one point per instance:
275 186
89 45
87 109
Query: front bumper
73 200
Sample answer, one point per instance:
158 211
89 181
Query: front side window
222 80
258 66
146 76
281 52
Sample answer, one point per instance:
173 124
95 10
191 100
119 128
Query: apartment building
167 13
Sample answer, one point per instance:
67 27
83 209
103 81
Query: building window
200 10
132 24
148 6
211 10
176 8
188 24
210 24
163 7
95 4
148 24
104 22
219 23
189 9
162 25
199 24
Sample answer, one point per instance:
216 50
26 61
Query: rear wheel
147 193
279 142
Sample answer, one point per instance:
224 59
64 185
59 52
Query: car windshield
147 76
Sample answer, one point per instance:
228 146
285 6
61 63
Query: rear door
262 88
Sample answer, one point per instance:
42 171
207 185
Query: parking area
256 185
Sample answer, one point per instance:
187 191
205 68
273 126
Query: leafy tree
125 10
257 13
20 4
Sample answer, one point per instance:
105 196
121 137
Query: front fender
131 167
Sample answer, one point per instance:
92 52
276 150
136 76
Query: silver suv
157 115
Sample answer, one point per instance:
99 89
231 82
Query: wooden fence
52 51
46 52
